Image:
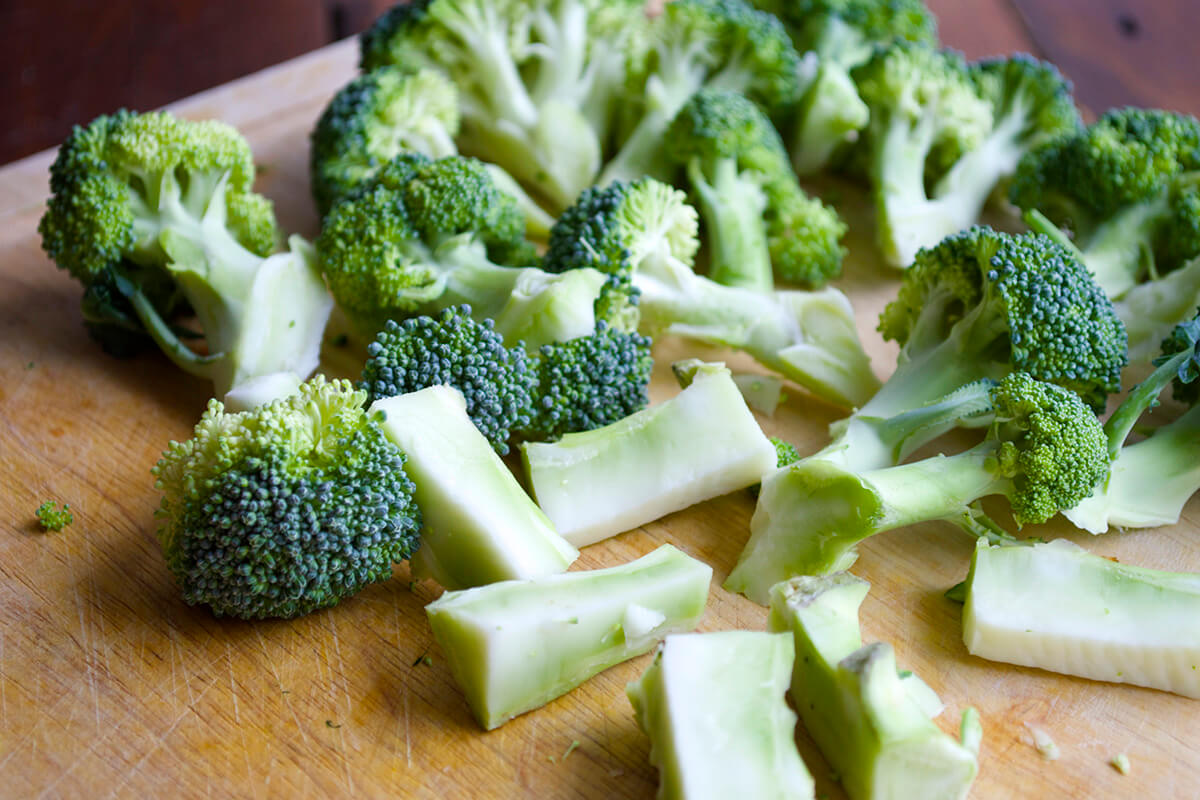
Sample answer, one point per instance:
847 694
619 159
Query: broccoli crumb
574 746
1042 742
1120 762
423 659
331 724
53 518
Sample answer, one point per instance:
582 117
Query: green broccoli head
872 21
373 119
52 517
382 43
453 349
1182 350
1032 94
285 509
1049 444
982 304
804 236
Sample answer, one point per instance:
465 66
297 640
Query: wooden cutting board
111 686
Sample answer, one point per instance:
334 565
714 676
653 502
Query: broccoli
53 518
1126 187
871 724
480 526
700 444
1151 480
644 236
539 79
834 37
1044 452
1057 607
154 215
426 235
757 220
979 305
725 45
703 686
962 129
1151 310
516 645
287 508
384 113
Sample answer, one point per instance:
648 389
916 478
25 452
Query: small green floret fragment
1120 762
53 518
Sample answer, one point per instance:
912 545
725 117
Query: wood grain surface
111 687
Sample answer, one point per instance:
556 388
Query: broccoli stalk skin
287 508
147 209
1044 452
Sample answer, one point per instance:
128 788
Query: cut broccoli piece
1151 480
1057 607
1151 310
644 235
53 518
866 719
480 526
962 129
154 215
700 444
539 79
1128 189
515 646
701 687
285 509
725 45
1044 452
758 222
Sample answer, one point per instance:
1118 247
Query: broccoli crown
1035 91
590 381
1184 338
717 125
804 235
785 452
287 508
53 518
876 20
1021 301
109 176
1050 445
374 118
377 42
453 349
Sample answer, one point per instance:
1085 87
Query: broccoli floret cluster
52 517
287 508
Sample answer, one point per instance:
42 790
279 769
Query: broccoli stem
1150 310
829 115
164 336
732 205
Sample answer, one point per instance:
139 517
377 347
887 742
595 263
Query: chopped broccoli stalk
1120 762
1152 309
287 508
644 235
53 518
479 525
154 216
1107 621
516 645
862 714
829 116
699 689
1127 187
763 393
695 44
700 444
1044 452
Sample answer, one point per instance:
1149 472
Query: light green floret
1057 607
872 725
700 444
517 645
713 706
479 525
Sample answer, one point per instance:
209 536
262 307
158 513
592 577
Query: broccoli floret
785 452
154 215
381 115
515 646
644 234
53 518
1044 452
1126 188
453 349
935 121
539 79
702 686
835 36
1151 480
287 508
758 222
1055 606
725 45
700 444
870 722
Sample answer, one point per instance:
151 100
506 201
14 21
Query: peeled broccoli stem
732 205
1151 309
808 337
